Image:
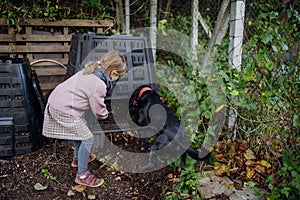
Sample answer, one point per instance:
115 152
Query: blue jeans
82 149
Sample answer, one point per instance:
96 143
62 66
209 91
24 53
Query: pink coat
79 93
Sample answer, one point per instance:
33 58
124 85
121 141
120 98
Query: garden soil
47 174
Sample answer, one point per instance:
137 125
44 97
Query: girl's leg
84 177
84 153
76 144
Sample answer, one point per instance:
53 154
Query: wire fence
253 8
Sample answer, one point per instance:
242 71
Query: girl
69 100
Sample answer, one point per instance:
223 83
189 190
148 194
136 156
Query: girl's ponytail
112 61
90 67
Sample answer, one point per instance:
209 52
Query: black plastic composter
137 51
21 108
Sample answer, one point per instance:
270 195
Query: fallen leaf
230 186
277 154
236 146
232 171
264 163
170 176
249 154
219 168
220 107
70 193
231 153
260 169
239 162
250 172
79 188
220 157
39 186
238 184
243 147
91 196
249 162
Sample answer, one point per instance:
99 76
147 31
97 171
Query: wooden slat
28 44
34 49
6 38
65 32
38 38
48 86
64 22
3 22
50 71
34 38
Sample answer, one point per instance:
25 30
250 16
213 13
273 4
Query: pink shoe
89 180
74 163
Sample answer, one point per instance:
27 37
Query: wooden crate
46 44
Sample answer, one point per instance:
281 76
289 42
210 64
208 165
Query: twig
3 176
3 161
245 131
128 176
250 120
55 150
143 195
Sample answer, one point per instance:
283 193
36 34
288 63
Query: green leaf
270 179
253 106
39 186
250 184
234 93
296 14
273 15
296 120
253 40
266 37
224 75
258 192
275 48
285 191
294 174
284 47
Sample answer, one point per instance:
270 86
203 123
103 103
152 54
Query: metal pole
236 41
127 17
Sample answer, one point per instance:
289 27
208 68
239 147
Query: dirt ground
47 173
50 167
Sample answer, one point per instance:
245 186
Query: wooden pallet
46 44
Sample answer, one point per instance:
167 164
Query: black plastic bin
20 99
137 51
6 137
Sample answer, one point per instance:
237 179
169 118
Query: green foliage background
264 94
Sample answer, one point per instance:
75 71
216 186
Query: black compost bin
6 136
137 51
21 101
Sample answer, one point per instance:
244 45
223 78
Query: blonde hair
110 61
